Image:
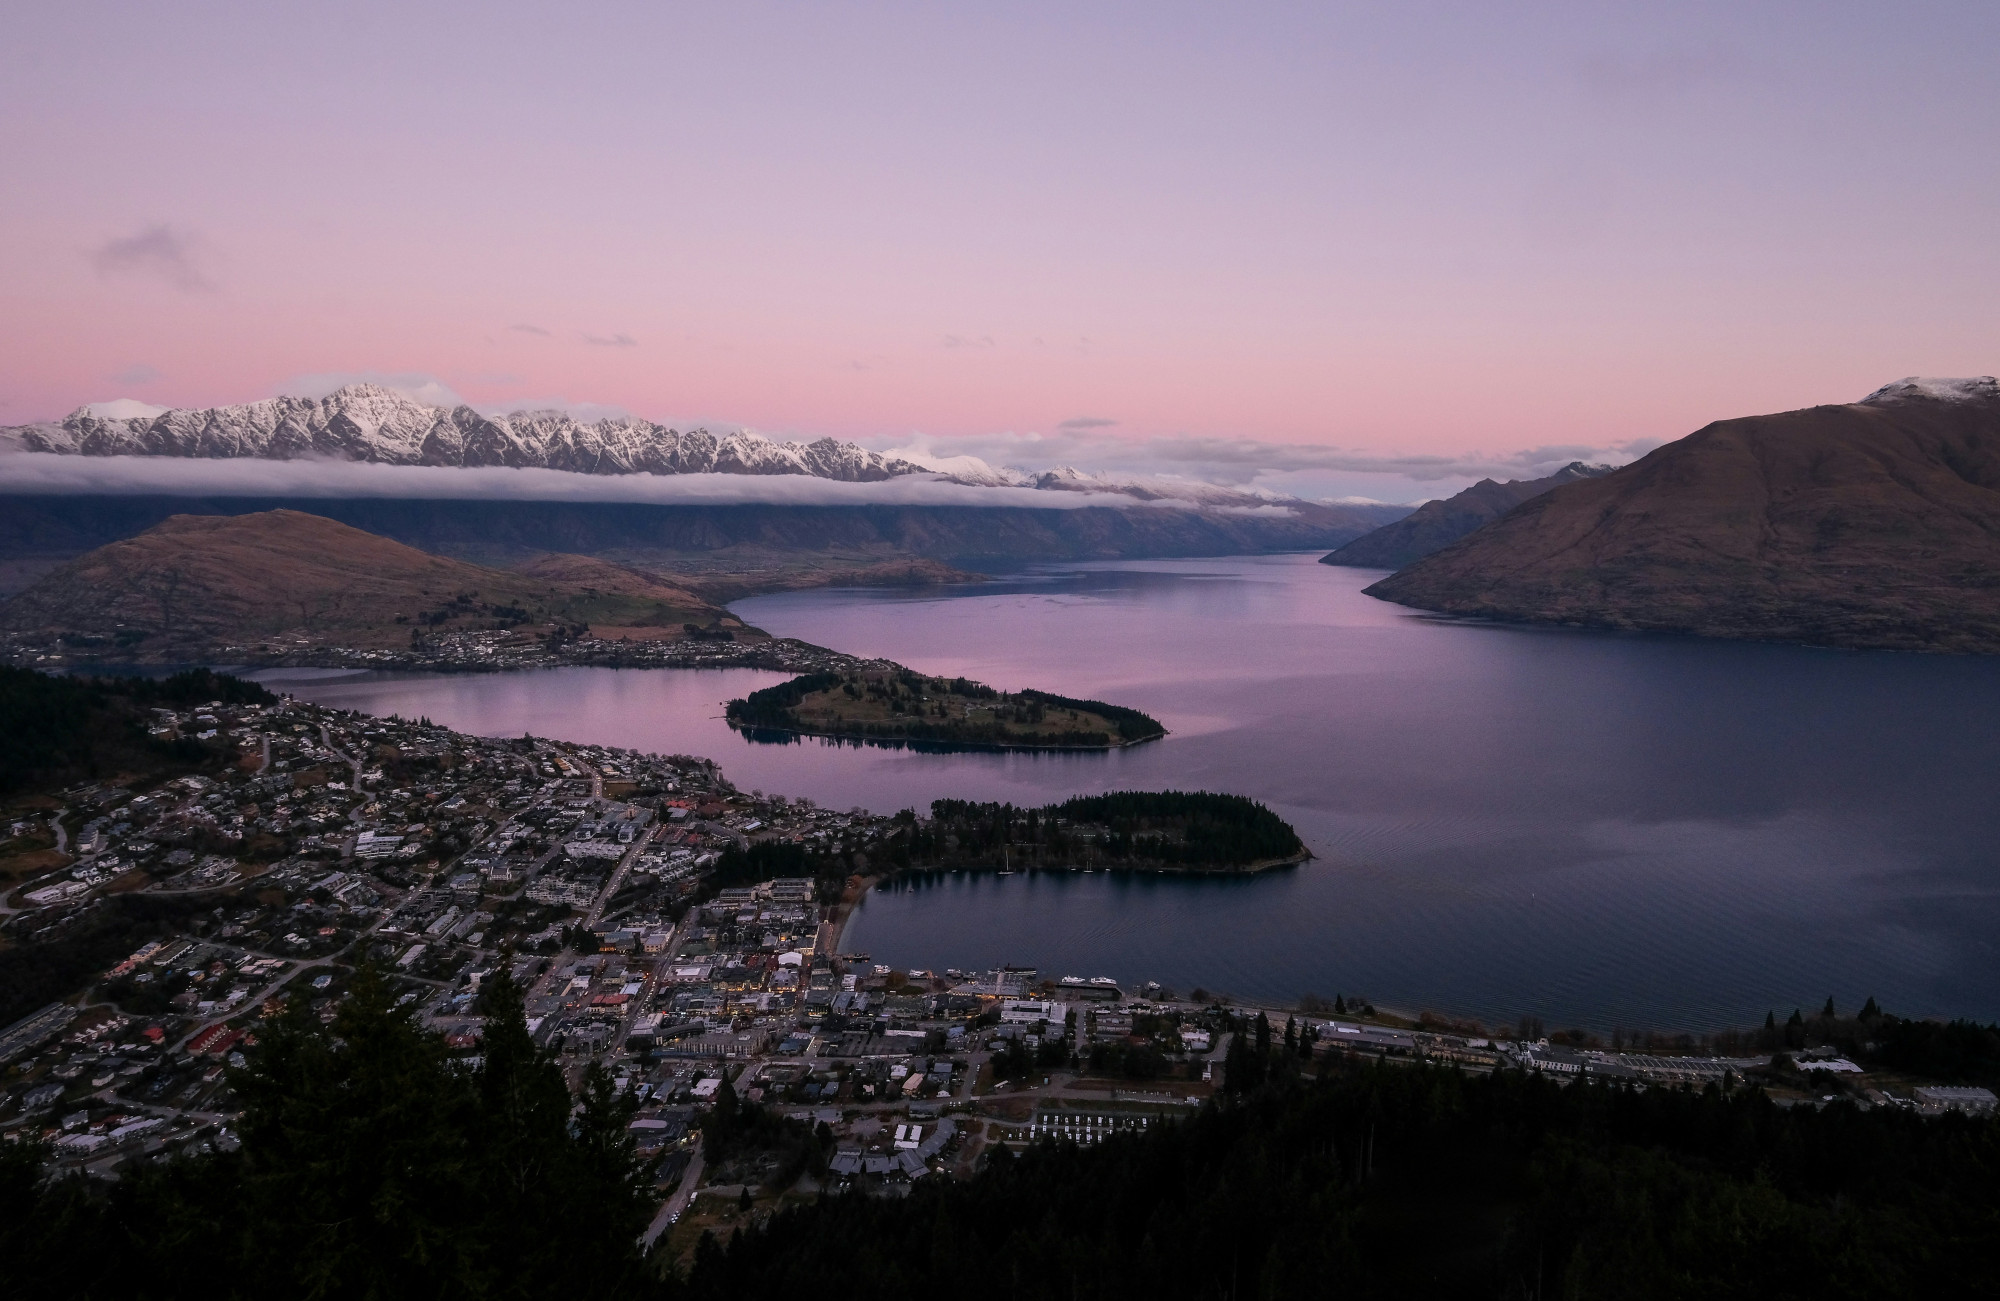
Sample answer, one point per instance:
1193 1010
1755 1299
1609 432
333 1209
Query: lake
1602 830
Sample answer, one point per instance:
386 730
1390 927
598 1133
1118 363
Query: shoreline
473 653
859 886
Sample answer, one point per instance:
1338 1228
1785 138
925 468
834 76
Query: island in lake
898 705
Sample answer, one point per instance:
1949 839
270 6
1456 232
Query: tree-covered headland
1143 831
1189 831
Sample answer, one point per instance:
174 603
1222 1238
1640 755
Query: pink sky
1410 228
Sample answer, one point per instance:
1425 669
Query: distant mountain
1874 524
368 423
1437 524
1065 478
726 548
194 584
740 545
364 422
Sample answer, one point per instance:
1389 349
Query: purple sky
1105 232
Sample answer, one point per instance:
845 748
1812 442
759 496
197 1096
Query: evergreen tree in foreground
371 1166
1402 1181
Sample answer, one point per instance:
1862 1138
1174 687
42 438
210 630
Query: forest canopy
1175 830
56 729
1390 1181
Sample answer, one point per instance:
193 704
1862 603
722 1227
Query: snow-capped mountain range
364 422
371 424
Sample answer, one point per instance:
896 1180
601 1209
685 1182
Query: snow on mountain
1977 388
370 424
1161 490
969 470
125 409
364 422
1165 491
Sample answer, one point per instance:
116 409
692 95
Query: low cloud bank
47 473
1243 461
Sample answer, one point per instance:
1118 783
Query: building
370 844
1938 1099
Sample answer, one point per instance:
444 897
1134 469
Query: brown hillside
1875 524
198 582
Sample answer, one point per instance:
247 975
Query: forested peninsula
1156 831
900 706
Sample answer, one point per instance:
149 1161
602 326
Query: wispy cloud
529 329
964 341
160 252
1302 469
1083 424
611 340
137 373
1239 459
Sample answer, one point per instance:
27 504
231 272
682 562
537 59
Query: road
326 739
36 882
545 984
611 887
670 1210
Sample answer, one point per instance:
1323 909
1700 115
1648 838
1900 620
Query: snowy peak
1978 388
369 423
1579 470
365 422
1164 490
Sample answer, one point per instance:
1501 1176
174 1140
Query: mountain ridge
39 532
1437 524
366 422
370 424
1873 524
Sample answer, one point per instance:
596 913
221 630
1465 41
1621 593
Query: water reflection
1605 829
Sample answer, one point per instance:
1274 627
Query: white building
1027 1011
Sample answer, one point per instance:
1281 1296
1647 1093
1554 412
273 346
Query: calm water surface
1601 830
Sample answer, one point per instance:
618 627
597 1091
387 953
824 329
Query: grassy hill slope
1867 525
194 585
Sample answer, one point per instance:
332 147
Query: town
480 650
664 925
